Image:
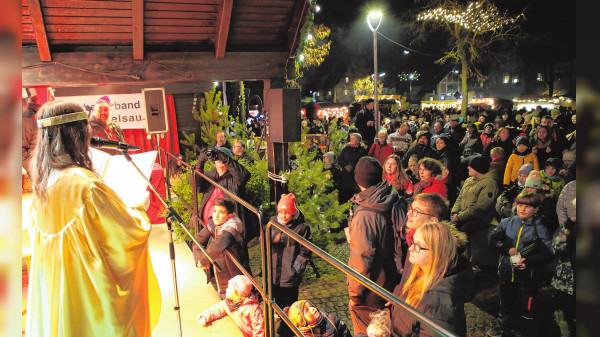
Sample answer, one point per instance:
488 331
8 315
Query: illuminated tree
472 28
365 86
311 52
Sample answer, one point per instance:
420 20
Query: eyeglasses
412 211
417 248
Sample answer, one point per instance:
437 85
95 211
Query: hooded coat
475 203
289 258
443 304
226 236
372 243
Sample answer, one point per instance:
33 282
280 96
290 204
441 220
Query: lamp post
376 16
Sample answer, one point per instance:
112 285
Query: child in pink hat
289 257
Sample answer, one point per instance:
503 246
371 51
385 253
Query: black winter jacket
289 258
372 243
443 304
234 180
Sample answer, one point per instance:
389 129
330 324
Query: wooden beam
137 25
223 29
297 21
39 29
84 69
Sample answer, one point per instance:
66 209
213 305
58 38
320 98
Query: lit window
345 91
516 79
347 79
540 77
506 79
329 93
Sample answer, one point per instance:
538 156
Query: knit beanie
287 203
241 284
554 162
525 169
534 181
480 164
522 140
368 172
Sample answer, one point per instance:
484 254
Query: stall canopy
139 42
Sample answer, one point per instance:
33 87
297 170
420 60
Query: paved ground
329 293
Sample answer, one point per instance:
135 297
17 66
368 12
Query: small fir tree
213 116
321 209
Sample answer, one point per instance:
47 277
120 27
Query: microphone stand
172 217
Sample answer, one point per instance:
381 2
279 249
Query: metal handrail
265 233
363 280
265 291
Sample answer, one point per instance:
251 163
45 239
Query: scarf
421 185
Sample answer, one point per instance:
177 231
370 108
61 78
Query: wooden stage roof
82 43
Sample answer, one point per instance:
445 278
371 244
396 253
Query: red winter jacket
380 152
435 184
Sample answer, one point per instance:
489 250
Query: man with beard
421 148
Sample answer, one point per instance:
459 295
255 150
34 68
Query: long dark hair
59 146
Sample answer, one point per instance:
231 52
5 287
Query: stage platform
195 295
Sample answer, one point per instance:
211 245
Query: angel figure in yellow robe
90 272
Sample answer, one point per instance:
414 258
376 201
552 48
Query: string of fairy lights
478 17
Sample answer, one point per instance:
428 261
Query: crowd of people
490 192
431 206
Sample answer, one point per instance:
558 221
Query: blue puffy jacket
534 244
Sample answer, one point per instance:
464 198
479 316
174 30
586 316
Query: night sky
549 26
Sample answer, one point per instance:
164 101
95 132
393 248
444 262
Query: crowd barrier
265 244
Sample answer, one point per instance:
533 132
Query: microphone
111 144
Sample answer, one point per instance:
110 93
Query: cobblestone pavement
329 293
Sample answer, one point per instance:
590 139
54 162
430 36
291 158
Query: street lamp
376 17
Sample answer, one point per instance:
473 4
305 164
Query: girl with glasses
437 281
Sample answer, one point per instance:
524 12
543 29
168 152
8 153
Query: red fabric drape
139 137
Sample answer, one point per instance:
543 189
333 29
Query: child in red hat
289 257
